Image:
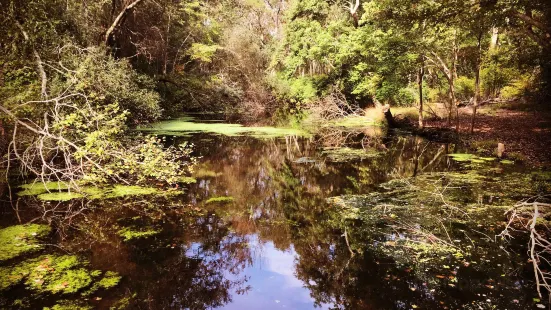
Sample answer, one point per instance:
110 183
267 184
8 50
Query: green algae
126 190
59 196
110 279
37 188
59 275
203 173
471 158
221 200
21 239
345 154
186 126
69 305
132 233
60 192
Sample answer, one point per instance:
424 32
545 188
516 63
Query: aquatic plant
185 126
53 274
38 187
132 233
61 192
345 154
20 239
221 200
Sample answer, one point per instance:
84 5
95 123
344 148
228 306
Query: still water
261 229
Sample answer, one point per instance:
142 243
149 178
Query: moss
345 154
177 127
21 239
130 233
222 199
37 188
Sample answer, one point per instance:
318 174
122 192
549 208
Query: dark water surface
277 243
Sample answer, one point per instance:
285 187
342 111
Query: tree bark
39 64
495 38
477 80
420 76
118 21
354 12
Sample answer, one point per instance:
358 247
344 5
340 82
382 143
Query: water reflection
277 244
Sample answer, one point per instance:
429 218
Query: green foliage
518 87
21 239
202 52
464 87
109 83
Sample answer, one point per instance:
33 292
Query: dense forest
112 99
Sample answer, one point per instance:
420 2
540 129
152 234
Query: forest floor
524 128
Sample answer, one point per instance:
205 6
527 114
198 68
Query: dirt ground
525 129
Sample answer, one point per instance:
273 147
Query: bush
464 88
406 97
518 87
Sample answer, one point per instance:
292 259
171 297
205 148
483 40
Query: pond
351 219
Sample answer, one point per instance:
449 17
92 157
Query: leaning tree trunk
108 38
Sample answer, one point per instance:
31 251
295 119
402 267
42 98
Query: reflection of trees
194 263
197 260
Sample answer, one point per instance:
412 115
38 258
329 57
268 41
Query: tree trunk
477 81
118 21
420 76
388 116
495 38
39 64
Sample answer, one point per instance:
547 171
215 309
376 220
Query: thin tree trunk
39 64
420 76
495 38
477 82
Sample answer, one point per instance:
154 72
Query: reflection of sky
272 280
